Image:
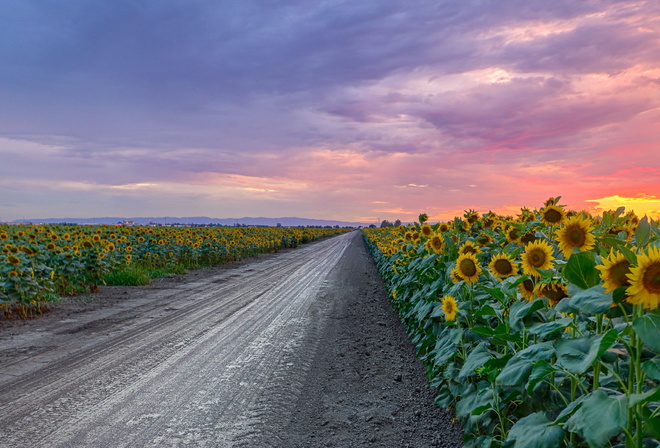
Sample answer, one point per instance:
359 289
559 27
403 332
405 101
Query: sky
329 109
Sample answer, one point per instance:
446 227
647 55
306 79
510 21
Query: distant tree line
386 223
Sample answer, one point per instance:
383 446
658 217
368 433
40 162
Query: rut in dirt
223 365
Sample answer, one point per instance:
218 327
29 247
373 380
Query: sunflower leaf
647 328
652 368
535 431
547 328
577 355
643 232
520 310
600 418
651 395
593 300
581 270
477 358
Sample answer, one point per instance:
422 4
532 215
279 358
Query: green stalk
639 377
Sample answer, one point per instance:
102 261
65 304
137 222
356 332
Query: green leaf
548 328
444 350
646 397
486 310
540 370
647 328
643 232
518 369
477 358
483 331
593 300
537 352
473 399
581 270
515 372
520 310
495 292
536 431
652 368
577 355
599 418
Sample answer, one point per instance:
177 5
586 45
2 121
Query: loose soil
296 349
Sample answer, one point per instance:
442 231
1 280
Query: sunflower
644 286
471 216
484 239
527 289
444 227
614 271
4 236
426 230
449 307
468 247
576 233
550 201
502 265
96 238
552 215
455 276
512 234
554 291
437 244
468 268
13 260
537 255
528 238
627 231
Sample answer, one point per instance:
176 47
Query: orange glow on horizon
648 205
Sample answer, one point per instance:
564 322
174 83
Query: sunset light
329 110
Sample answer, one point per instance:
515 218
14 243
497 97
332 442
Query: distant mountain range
168 220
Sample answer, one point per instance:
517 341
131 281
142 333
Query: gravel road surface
295 349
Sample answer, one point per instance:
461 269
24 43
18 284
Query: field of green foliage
540 330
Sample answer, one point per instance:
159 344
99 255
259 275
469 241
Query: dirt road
298 348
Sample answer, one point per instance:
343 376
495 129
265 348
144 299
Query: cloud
330 107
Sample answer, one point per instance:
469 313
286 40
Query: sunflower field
39 263
540 330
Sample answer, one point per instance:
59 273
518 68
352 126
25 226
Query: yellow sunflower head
552 215
577 232
537 255
484 239
437 244
468 248
471 216
554 291
4 236
426 230
449 307
502 265
527 289
644 286
455 276
468 268
13 260
512 234
444 227
614 271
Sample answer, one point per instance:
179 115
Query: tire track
212 373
